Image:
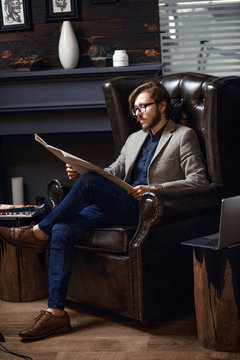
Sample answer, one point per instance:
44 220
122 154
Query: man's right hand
71 172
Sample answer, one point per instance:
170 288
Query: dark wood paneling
128 24
121 9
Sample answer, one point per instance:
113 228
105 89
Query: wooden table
217 297
23 273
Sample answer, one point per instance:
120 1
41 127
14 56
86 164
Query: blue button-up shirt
140 168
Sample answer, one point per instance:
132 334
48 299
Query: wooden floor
103 337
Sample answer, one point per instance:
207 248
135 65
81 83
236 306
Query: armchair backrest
206 103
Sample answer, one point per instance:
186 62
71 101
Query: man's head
150 104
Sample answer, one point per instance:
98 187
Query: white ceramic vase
120 58
68 49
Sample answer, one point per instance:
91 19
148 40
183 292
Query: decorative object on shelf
17 190
61 9
25 55
14 15
120 58
68 49
100 55
153 54
27 63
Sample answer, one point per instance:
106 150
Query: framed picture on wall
14 15
95 2
61 9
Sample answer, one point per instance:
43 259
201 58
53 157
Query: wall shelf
132 69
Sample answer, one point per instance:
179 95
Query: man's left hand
139 190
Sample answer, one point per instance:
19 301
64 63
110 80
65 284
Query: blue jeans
92 201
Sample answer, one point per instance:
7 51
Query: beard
154 121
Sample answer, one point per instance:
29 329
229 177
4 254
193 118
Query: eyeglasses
141 108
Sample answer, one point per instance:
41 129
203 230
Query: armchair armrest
170 205
157 207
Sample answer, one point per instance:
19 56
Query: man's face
151 116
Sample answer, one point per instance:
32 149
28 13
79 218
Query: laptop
229 228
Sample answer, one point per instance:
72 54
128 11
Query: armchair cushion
107 239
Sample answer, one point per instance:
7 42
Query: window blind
201 36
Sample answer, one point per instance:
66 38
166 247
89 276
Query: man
161 155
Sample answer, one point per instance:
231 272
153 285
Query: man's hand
137 191
72 173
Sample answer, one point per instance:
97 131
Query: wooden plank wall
127 24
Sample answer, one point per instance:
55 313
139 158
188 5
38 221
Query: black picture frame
61 10
14 15
96 2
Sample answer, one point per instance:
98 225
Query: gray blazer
177 161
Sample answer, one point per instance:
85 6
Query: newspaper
82 166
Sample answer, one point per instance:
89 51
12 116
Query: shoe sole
55 332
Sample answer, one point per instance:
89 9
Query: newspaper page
82 166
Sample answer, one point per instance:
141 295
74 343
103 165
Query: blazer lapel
134 150
137 145
166 135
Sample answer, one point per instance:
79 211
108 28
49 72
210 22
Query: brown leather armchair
145 272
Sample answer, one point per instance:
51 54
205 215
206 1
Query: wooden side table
23 274
217 297
23 271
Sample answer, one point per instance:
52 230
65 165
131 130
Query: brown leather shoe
22 237
45 325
